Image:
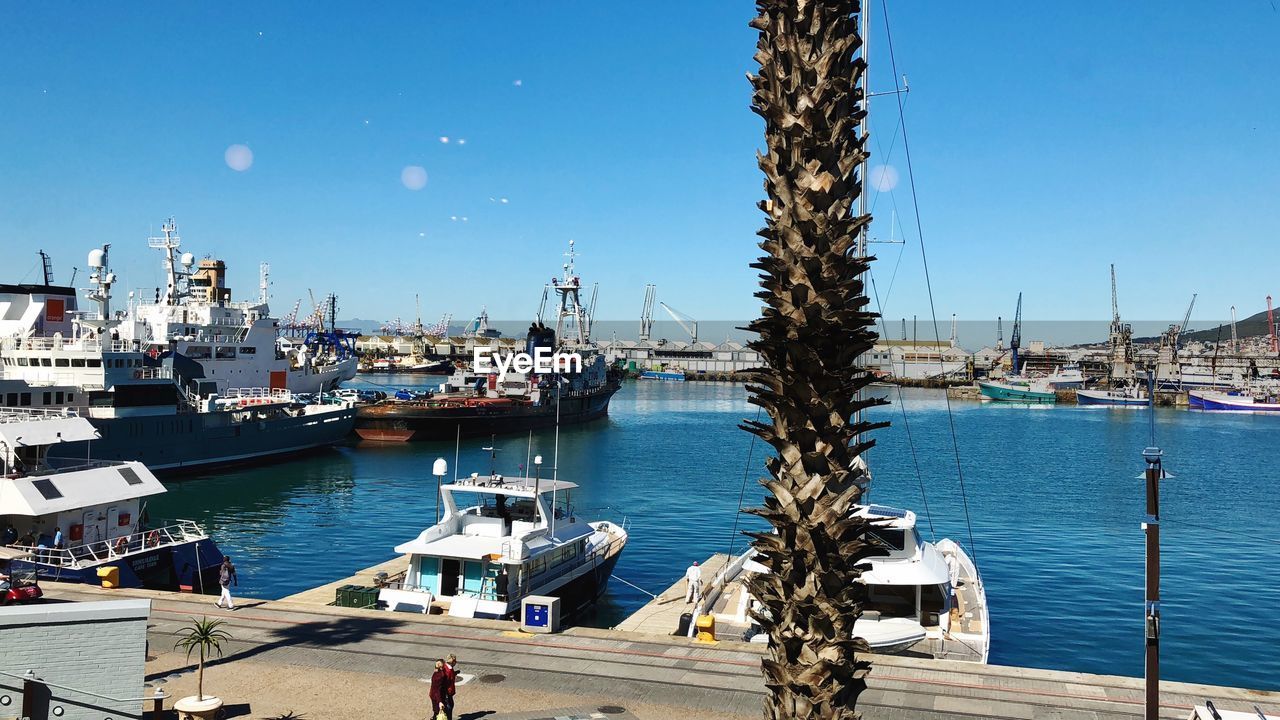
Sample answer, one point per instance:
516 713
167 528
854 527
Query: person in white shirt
693 581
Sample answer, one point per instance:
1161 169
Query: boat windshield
890 538
498 506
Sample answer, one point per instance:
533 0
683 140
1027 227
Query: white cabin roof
469 547
521 487
26 429
80 487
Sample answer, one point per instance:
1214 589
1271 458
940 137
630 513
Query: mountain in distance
1249 327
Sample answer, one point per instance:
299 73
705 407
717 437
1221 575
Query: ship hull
190 442
191 567
402 422
1011 393
1209 400
1102 397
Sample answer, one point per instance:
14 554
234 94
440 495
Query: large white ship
148 399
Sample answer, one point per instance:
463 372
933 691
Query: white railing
93 553
258 393
82 343
19 414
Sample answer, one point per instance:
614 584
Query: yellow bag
441 716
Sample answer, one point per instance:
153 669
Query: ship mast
169 244
572 316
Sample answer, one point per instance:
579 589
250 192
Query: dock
661 615
331 662
324 594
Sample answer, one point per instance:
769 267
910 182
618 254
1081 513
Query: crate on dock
342 597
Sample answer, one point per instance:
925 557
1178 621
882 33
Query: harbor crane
1115 305
1235 339
689 324
48 267
646 311
1015 337
1271 327
1186 320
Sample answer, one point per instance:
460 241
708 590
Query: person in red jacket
451 669
439 689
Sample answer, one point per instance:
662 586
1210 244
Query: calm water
1053 497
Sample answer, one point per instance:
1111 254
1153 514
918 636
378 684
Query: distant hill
367 327
1248 327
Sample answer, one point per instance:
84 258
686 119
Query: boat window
25 399
538 565
77 362
892 600
71 397
11 399
886 538
248 350
62 362
199 352
47 397
94 362
46 362
60 397
22 362
225 352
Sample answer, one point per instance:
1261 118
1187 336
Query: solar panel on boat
130 476
47 489
886 511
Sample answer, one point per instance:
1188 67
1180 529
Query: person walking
439 691
226 578
57 538
693 578
451 668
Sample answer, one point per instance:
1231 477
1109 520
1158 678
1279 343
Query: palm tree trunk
200 676
815 325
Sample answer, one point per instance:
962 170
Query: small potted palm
203 636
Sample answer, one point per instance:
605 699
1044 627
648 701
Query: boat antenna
457 450
555 461
493 455
527 453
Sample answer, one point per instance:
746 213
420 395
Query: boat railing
72 344
101 551
21 414
55 466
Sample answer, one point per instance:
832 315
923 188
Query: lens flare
238 157
414 177
883 178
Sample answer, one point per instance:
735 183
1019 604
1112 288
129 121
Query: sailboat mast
860 246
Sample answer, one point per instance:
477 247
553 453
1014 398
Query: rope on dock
633 585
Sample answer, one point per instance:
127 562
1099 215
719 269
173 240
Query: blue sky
1048 139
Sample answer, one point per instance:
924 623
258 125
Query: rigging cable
906 425
915 201
742 494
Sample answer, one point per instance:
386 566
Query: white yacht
99 508
923 598
501 539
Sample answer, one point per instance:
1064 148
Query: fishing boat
923 598
1258 400
1131 396
477 401
665 374
99 507
500 539
1066 377
1018 391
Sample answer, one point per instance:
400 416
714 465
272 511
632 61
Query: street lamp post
439 469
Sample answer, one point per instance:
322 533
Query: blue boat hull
662 375
190 566
1219 401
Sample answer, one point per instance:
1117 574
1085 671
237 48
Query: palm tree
206 636
815 325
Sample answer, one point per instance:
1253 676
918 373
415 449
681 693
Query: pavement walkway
328 662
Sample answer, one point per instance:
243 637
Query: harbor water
1054 506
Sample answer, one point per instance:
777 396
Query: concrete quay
331 662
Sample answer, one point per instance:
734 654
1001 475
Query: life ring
122 544
153 538
137 374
